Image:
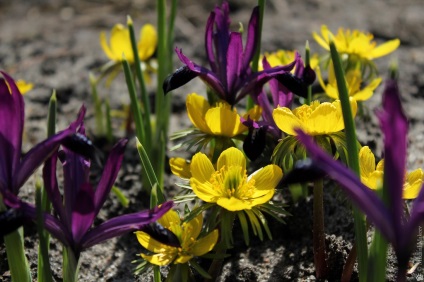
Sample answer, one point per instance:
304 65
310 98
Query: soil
55 44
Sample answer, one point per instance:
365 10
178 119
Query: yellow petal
366 161
180 167
367 92
151 244
191 230
120 43
224 121
374 180
171 220
384 49
286 120
380 166
148 42
106 48
323 41
204 191
160 259
24 86
197 106
326 118
267 178
258 198
201 168
205 244
232 157
183 258
234 204
413 184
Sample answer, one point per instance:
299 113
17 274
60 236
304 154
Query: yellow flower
229 186
220 119
372 176
187 234
314 119
22 85
180 167
353 83
285 57
355 42
120 43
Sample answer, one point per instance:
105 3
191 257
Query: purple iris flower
231 76
15 169
76 210
389 219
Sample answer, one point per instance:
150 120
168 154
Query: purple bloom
231 76
15 169
81 202
387 218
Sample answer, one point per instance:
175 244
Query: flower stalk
353 162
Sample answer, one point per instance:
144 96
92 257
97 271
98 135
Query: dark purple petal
361 196
52 189
162 234
206 75
83 213
11 126
10 220
295 84
41 152
80 144
209 44
36 156
254 143
177 79
417 216
110 172
304 170
75 174
123 224
52 224
395 128
252 38
222 39
234 64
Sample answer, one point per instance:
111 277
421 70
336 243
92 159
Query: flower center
232 181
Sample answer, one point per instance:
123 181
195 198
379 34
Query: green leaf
256 226
244 226
195 212
199 269
121 197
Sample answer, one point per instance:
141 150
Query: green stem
307 63
44 273
135 105
98 115
377 258
353 161
109 134
144 95
163 103
70 265
255 60
150 173
320 260
43 270
18 263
